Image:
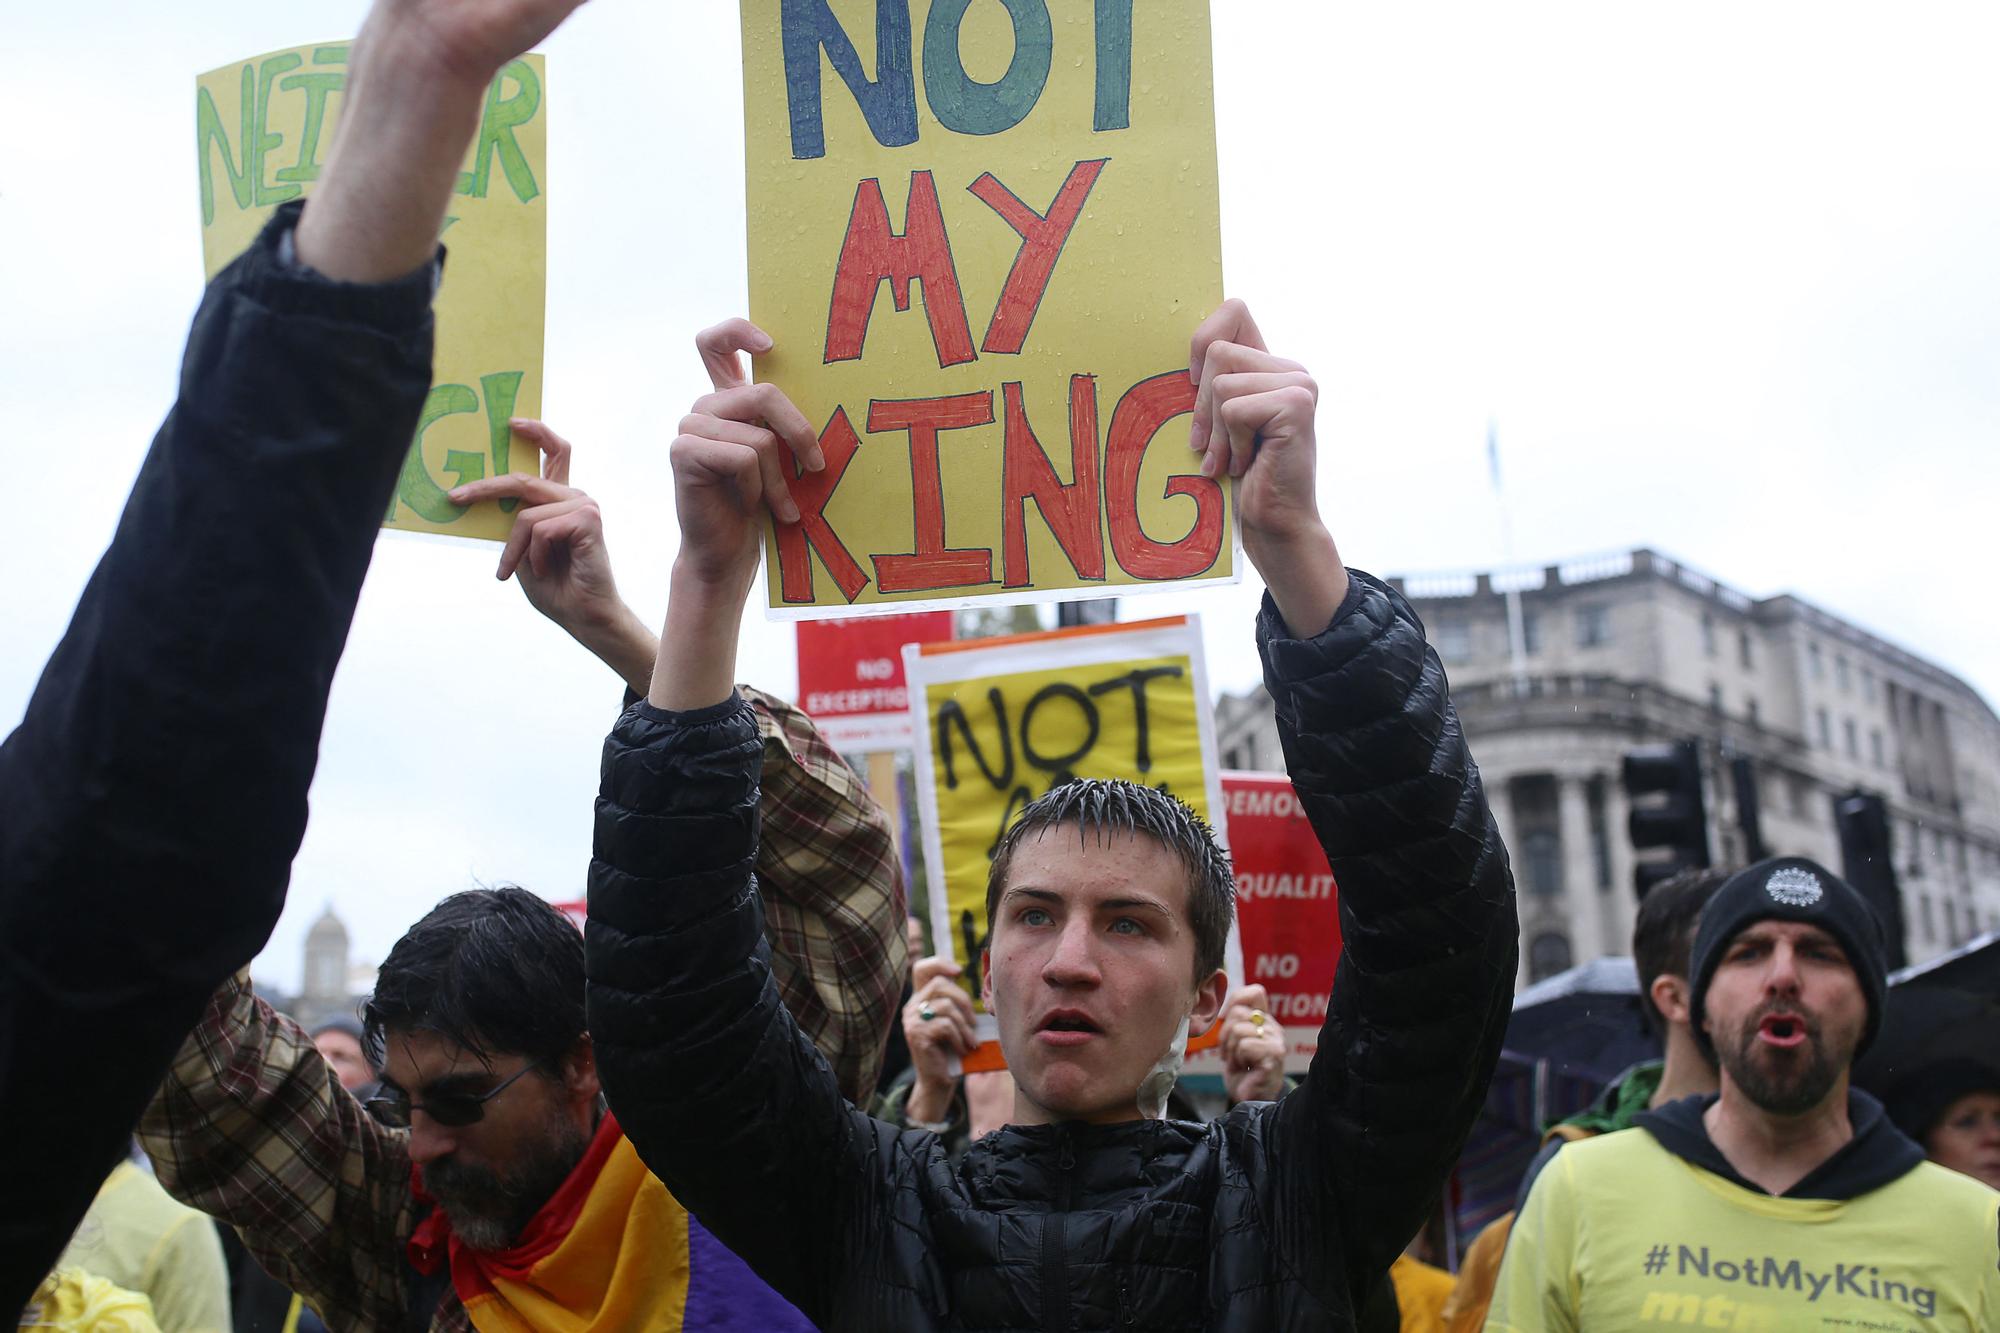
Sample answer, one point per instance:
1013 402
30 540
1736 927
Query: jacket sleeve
252 1128
725 1098
154 794
1421 996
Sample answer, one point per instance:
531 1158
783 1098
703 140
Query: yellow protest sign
1002 721
262 130
981 237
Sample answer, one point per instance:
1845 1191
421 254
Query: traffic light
1663 784
1862 821
1748 810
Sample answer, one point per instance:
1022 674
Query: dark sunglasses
454 1110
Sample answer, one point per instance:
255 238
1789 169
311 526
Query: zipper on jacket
1055 1269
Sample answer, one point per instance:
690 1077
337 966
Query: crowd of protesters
680 1117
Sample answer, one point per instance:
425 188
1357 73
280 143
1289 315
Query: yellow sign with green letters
263 127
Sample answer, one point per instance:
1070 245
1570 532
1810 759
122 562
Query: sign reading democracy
1039 177
1005 720
1286 906
851 677
262 130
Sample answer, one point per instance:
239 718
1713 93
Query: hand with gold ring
1253 1047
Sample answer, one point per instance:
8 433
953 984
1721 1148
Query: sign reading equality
1287 910
981 237
263 127
1001 721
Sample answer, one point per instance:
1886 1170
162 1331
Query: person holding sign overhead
1085 1212
156 787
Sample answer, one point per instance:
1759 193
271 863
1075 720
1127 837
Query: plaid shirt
252 1128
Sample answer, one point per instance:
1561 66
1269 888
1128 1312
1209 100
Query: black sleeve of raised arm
1421 996
726 1100
154 794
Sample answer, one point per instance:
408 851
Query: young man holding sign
1083 1213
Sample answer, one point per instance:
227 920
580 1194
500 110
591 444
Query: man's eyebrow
1039 895
1127 904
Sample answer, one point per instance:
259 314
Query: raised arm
827 865
1421 996
156 787
726 1099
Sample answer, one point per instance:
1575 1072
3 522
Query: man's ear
1670 997
579 1071
1208 999
986 981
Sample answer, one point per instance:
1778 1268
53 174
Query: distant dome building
325 992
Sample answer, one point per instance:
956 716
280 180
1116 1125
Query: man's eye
1126 925
1035 916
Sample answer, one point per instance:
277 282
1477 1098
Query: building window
1548 955
1797 787
1232 758
1707 634
1714 696
1825 729
1875 747
1840 673
1454 640
1600 834
1743 653
1750 708
1593 626
1817 661
1853 739
1868 685
1541 863
1951 923
1531 632
1930 917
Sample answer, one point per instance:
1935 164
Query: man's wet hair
1663 934
495 971
1106 807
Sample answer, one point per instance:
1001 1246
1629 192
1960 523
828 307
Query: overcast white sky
1727 276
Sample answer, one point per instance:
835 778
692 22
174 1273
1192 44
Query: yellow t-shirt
139 1237
1620 1234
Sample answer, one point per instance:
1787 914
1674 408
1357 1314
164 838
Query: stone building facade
1637 649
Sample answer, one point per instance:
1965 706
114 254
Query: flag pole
1517 630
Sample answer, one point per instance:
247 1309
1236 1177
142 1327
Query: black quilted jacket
1277 1216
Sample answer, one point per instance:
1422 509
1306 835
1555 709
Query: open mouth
1782 1030
1068 1027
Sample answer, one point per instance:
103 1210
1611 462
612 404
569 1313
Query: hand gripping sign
1001 721
262 130
981 237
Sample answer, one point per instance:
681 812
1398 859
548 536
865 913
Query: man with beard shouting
1785 1201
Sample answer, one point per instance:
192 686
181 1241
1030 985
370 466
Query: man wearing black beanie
1787 1200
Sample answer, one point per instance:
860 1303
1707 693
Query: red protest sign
851 677
1286 909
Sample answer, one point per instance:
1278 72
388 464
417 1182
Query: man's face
1090 971
342 1052
492 1175
1785 1012
1967 1137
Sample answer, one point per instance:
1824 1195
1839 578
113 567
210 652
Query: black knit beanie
1791 888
